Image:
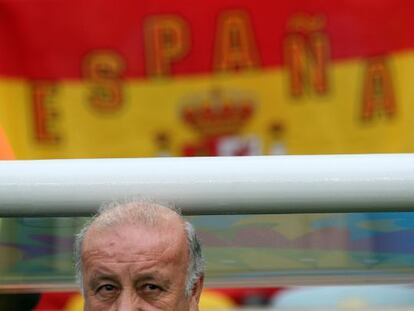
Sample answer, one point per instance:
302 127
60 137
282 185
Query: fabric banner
166 78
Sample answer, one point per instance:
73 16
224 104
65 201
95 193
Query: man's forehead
133 241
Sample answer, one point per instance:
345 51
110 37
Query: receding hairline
166 233
150 215
137 213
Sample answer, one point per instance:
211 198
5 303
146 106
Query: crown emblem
218 113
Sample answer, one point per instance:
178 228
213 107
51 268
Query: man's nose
129 301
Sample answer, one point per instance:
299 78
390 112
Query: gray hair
143 212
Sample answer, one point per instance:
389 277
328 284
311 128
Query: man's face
137 268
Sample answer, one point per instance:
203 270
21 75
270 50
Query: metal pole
223 185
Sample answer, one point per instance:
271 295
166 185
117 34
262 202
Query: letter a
235 44
378 89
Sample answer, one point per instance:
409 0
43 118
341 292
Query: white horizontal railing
237 185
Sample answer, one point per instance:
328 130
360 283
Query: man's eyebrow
148 277
101 275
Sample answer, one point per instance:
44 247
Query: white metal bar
242 185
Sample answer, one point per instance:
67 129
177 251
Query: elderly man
139 256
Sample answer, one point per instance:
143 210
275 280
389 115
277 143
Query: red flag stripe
47 39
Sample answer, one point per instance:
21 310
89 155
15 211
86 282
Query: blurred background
162 78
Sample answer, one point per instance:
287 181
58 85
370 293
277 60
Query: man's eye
151 288
107 287
106 290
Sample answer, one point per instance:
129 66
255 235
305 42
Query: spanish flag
223 77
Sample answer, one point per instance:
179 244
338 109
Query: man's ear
196 293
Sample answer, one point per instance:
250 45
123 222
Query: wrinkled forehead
166 241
